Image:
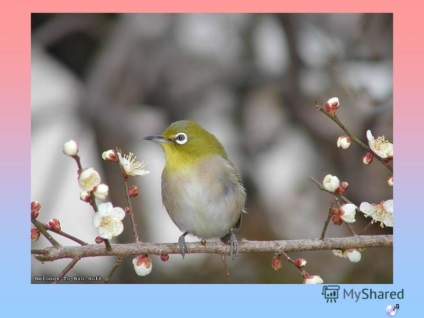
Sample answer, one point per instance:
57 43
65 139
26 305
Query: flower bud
344 185
35 207
99 240
132 191
312 279
390 181
337 220
276 262
85 196
344 142
164 257
35 234
142 265
89 179
332 105
110 155
331 183
70 148
300 262
352 254
342 188
367 158
54 225
348 212
101 191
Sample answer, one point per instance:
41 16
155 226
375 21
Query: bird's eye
181 138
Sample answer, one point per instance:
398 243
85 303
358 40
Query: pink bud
142 265
99 240
276 262
300 262
35 207
344 142
337 220
133 191
332 105
54 225
35 234
110 155
342 188
164 257
85 196
367 158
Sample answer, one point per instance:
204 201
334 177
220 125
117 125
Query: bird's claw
231 239
182 244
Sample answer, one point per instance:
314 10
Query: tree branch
359 241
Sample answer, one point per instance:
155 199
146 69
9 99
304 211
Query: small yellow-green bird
201 189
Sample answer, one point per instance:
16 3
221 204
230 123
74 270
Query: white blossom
381 212
380 146
108 220
131 166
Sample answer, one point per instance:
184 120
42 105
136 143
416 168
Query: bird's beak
156 138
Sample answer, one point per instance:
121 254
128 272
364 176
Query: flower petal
104 233
116 228
388 205
97 219
117 213
366 208
104 208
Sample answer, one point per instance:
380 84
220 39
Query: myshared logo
332 293
369 293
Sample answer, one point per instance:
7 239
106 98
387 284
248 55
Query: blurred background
109 80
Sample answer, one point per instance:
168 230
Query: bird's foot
231 239
182 244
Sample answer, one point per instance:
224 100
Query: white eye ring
181 138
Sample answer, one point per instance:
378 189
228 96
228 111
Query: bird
202 190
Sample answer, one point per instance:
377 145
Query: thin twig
324 229
78 161
366 227
335 119
321 187
64 234
227 273
290 260
350 227
43 231
132 216
114 268
67 269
